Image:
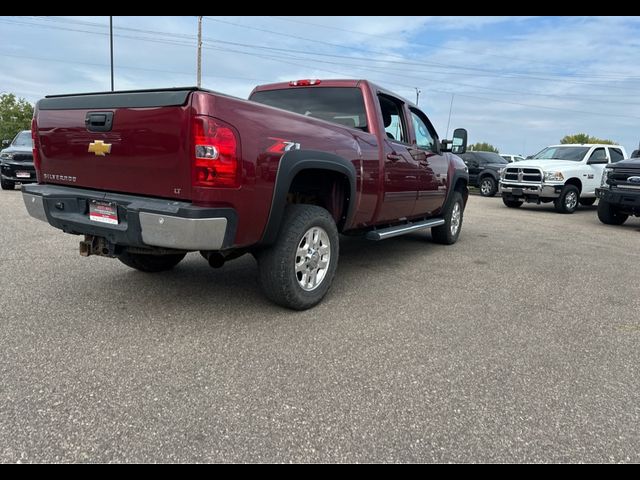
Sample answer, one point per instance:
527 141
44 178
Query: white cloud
592 61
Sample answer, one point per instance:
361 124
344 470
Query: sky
519 83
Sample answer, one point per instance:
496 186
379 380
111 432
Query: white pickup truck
564 174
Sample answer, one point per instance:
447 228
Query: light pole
199 72
111 47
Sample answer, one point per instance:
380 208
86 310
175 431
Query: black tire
278 275
444 234
609 215
512 203
151 263
7 184
488 186
587 202
568 200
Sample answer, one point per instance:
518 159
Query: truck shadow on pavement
234 288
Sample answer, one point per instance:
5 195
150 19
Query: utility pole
417 94
111 47
449 120
199 74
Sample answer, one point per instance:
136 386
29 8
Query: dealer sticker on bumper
103 212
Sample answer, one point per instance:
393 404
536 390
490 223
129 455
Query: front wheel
568 200
609 215
297 271
448 233
150 263
488 187
7 184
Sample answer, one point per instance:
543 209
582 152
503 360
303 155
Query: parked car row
567 175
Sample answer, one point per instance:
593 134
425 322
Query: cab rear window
341 105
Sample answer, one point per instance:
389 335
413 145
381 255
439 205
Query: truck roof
585 145
335 82
340 82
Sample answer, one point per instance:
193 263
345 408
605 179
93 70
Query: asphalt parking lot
517 344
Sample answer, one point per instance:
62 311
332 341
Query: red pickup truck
147 176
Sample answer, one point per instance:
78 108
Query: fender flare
489 172
457 175
294 162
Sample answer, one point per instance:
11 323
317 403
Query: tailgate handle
99 121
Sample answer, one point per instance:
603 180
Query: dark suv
484 171
16 161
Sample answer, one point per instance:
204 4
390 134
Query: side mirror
5 143
597 161
458 142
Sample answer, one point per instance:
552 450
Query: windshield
490 157
23 139
341 105
575 154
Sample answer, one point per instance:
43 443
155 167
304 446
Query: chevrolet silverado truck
566 175
148 176
619 193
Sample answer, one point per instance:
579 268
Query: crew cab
148 176
566 175
619 192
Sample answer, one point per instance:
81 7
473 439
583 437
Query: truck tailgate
130 142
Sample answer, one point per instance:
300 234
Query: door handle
394 157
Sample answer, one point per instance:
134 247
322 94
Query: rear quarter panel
263 131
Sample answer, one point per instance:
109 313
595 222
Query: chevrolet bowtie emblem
99 148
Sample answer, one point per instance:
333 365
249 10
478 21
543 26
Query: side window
616 154
393 118
598 154
424 137
470 160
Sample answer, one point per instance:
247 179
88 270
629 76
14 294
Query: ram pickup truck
148 176
563 174
619 192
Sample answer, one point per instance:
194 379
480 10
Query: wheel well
324 188
461 186
576 182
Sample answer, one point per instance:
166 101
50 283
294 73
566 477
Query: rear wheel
488 187
151 263
7 184
568 200
448 233
587 202
297 271
610 215
512 203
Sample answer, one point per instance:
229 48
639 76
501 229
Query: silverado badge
99 148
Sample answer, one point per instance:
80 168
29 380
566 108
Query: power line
340 73
446 67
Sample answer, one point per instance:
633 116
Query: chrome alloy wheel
571 200
313 258
456 218
485 187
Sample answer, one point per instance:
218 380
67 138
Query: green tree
584 138
15 115
482 147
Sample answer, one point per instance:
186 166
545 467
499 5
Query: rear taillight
215 153
36 146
